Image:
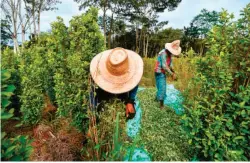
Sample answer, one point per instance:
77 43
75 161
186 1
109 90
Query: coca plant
217 120
83 41
57 65
17 148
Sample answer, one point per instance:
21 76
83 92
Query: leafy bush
217 121
71 75
12 149
57 66
107 133
34 74
10 62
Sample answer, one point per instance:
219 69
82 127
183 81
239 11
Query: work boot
161 104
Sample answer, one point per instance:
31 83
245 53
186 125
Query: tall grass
148 78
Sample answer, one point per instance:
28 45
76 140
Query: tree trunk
201 49
139 40
23 36
110 31
144 43
38 22
146 53
23 29
104 22
33 14
29 24
136 39
14 37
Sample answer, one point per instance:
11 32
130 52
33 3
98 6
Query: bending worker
164 67
117 72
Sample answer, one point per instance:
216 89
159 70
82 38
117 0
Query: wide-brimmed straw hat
174 47
117 70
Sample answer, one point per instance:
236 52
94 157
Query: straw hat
174 47
117 70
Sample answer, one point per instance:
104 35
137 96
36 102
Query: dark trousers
102 95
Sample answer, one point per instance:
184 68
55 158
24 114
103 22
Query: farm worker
163 67
117 72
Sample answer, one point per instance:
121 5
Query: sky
178 18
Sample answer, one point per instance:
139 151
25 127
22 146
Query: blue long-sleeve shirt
163 63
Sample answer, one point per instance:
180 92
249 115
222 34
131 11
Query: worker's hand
174 76
130 111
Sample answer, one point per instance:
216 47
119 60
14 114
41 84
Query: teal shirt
161 65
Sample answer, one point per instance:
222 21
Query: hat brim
173 51
116 84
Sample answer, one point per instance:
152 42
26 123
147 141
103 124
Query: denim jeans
132 93
160 85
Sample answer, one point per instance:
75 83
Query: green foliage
217 121
161 133
71 75
195 34
156 39
108 136
34 78
12 149
5 34
10 62
57 65
15 149
118 151
202 23
85 36
160 38
6 93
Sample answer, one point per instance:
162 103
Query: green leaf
5 103
3 134
22 139
6 115
239 137
17 158
217 155
19 124
5 75
228 133
10 88
242 104
97 146
11 111
10 150
243 113
7 94
237 152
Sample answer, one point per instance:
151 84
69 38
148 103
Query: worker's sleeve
164 65
172 66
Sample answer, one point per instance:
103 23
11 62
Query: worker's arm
171 67
164 65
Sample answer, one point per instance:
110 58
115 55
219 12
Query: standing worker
117 72
164 65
